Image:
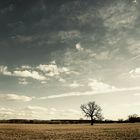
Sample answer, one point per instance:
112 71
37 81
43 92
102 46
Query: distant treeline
20 121
45 121
131 119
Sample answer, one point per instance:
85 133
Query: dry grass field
69 132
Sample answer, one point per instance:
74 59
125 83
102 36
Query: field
70 132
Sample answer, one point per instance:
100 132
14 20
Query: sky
56 55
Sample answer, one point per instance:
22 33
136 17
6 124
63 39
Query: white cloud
52 69
41 72
24 39
64 36
62 80
31 112
103 55
131 104
22 73
75 84
43 98
43 82
65 95
63 114
26 67
69 113
27 112
135 1
133 46
64 70
137 94
6 112
38 112
31 74
4 70
53 62
18 113
14 97
98 86
78 47
23 81
135 73
37 108
116 16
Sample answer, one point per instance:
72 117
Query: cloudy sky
58 54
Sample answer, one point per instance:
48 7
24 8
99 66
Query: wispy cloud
79 47
23 81
65 36
133 46
38 112
97 88
22 73
135 73
18 113
4 70
115 16
52 69
15 97
40 72
100 86
131 104
75 84
136 94
37 108
30 74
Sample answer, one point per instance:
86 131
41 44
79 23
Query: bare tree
134 118
92 110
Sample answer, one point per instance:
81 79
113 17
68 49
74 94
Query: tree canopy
92 110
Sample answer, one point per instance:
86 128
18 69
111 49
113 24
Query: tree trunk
92 121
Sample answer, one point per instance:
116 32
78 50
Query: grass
70 132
